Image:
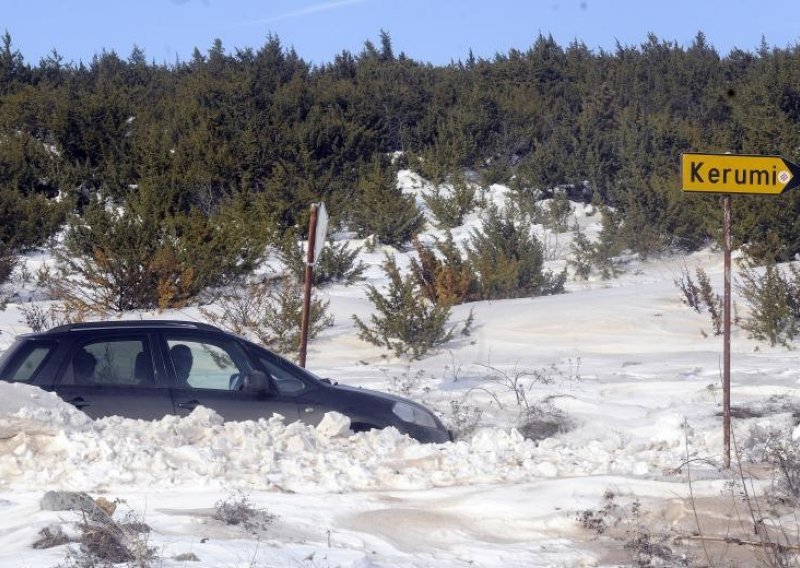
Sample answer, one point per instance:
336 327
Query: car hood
385 396
378 396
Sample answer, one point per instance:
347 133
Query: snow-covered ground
630 371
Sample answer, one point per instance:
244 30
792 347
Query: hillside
620 402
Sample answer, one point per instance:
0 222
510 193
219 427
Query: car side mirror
257 381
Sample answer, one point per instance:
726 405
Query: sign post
728 174
726 324
317 228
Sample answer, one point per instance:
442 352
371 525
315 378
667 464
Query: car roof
130 324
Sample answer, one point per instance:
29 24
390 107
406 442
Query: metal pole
312 242
726 353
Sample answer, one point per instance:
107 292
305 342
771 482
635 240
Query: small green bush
382 210
406 322
271 312
336 263
556 214
143 256
28 221
774 301
701 296
7 262
430 166
508 260
451 207
582 250
531 205
601 254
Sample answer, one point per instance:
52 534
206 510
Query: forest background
179 176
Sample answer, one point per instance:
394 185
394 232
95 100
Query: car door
206 369
115 375
289 380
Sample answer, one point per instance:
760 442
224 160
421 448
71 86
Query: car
151 369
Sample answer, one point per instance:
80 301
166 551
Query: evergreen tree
382 210
508 260
405 322
267 122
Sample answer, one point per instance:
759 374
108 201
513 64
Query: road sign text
731 173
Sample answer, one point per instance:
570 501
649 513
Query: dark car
150 369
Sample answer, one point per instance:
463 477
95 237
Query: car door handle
189 404
310 409
79 402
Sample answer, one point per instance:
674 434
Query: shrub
39 319
532 205
105 542
774 302
7 262
382 210
336 263
542 420
406 382
237 510
508 260
444 278
642 214
556 213
114 542
143 258
406 321
430 166
270 311
50 537
690 291
581 248
656 218
451 206
701 296
463 418
519 381
28 221
601 254
495 171
627 523
783 454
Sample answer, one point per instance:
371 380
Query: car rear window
24 359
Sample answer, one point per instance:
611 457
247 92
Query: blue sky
436 31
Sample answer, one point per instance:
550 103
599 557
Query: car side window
284 380
23 363
123 362
207 363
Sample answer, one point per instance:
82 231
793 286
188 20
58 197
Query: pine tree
509 260
405 322
382 210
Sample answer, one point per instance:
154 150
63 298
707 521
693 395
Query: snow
635 371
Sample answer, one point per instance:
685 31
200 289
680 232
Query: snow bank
48 444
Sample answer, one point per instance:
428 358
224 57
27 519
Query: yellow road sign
732 173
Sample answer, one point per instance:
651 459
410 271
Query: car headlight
414 415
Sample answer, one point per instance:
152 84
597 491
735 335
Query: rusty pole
726 352
312 242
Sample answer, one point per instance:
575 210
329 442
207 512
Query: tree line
145 163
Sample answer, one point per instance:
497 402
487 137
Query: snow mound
48 444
